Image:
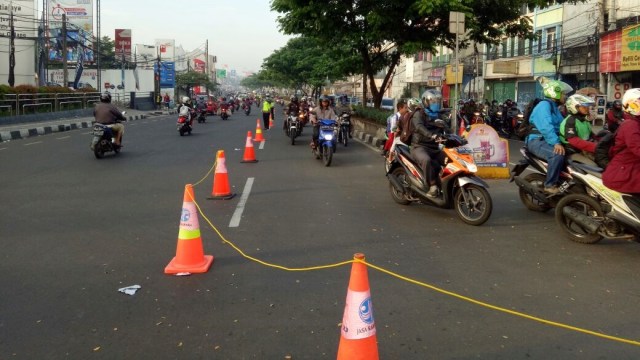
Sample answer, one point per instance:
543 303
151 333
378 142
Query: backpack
406 127
603 148
526 128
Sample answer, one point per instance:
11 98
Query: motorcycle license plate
326 128
98 132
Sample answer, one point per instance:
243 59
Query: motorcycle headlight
328 137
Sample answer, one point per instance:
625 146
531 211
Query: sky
241 33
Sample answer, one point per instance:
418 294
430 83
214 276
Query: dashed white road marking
62 138
237 215
261 145
33 143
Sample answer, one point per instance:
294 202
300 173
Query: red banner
198 65
123 43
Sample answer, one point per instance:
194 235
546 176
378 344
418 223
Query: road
74 230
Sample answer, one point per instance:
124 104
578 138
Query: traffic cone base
221 188
358 333
189 253
249 151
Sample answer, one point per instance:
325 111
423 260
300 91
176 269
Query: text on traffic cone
221 188
358 333
249 151
189 252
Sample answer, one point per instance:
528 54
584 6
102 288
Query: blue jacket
546 117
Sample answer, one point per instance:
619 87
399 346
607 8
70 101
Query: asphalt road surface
74 229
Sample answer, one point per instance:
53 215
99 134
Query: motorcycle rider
108 114
342 108
292 108
544 141
614 116
623 172
575 129
425 148
432 100
186 109
323 112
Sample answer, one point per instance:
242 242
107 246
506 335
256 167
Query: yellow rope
209 172
420 283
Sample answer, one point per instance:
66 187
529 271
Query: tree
306 62
254 82
193 78
108 54
382 31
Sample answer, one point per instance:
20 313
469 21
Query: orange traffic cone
259 137
189 254
358 335
270 121
249 152
221 188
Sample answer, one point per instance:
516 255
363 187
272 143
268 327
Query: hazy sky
241 33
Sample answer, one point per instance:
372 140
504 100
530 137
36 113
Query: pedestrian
167 100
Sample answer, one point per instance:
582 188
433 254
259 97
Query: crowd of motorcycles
585 209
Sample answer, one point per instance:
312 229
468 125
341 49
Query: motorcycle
531 186
103 140
247 109
201 116
327 141
224 112
460 188
185 120
293 127
600 213
343 132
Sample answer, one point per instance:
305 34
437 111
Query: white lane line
87 133
237 215
64 137
3 149
261 145
33 143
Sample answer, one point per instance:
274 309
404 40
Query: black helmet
105 97
617 104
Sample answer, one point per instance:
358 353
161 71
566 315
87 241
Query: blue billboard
167 74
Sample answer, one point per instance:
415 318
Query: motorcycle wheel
181 132
528 200
478 209
345 137
292 135
396 195
585 205
327 155
99 154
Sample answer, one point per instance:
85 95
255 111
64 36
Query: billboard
123 43
167 48
167 74
630 48
199 65
24 11
79 15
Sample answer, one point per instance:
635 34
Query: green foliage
377 115
108 54
193 78
25 89
254 82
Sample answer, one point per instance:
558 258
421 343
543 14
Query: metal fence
21 104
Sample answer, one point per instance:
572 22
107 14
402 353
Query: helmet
344 99
323 98
553 89
430 96
186 100
105 97
617 104
631 101
413 104
294 98
578 100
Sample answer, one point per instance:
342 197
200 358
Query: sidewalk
30 129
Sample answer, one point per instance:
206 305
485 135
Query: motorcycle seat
593 170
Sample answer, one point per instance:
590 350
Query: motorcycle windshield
327 122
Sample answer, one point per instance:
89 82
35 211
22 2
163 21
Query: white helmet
631 102
186 100
576 100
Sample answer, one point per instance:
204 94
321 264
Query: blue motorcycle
327 141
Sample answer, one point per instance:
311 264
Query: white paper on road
130 290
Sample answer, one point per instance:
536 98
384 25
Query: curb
71 125
369 139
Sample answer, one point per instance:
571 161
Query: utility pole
456 25
602 79
98 53
65 71
12 49
206 66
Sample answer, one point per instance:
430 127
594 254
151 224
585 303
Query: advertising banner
123 43
630 48
490 152
79 14
198 65
167 74
167 49
221 73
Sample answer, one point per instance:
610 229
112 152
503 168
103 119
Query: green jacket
574 125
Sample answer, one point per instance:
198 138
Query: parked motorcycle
600 213
185 120
343 132
327 141
460 188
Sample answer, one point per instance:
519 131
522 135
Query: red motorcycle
224 111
